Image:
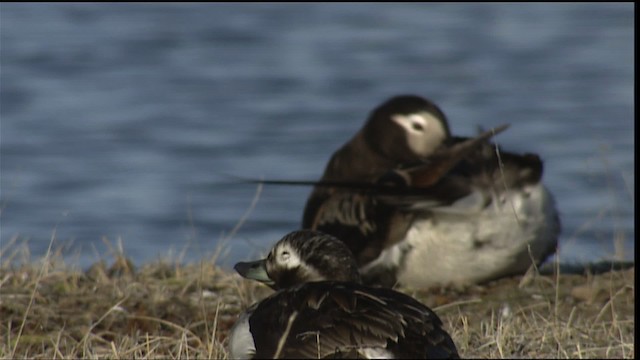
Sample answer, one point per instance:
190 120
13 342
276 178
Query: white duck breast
488 242
241 344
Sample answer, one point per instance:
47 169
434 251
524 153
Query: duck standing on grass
463 220
321 310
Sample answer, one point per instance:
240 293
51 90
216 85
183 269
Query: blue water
122 122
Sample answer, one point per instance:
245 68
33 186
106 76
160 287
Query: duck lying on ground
462 220
321 310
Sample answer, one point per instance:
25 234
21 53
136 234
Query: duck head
406 128
303 256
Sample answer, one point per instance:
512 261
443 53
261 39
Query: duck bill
439 164
254 270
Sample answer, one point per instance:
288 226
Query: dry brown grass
162 310
566 316
167 310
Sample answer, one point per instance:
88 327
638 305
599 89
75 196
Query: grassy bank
165 310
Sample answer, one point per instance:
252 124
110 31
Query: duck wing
371 217
346 320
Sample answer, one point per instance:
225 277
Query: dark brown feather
369 221
349 317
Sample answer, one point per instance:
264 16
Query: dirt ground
166 310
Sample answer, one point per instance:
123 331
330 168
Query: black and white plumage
478 217
321 310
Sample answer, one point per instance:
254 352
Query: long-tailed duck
321 310
482 216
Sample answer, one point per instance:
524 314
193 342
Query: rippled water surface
123 121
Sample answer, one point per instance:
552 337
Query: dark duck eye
392 178
417 127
